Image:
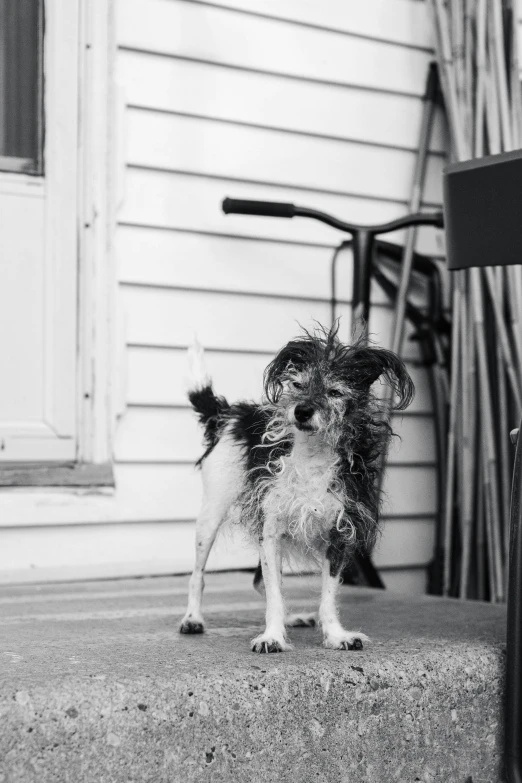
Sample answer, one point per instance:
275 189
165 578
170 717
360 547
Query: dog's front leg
335 636
274 637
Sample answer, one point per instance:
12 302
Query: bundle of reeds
476 45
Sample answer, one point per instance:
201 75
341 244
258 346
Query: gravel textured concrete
97 685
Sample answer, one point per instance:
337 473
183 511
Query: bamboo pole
449 84
490 462
480 89
493 288
474 479
468 54
419 176
497 40
491 547
460 149
516 91
499 107
450 465
503 433
458 58
516 125
467 454
475 98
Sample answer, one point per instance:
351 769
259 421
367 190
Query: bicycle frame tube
418 219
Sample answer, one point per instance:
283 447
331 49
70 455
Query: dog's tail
208 406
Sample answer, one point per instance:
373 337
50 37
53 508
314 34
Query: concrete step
97 685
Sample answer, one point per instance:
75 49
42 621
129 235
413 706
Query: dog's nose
303 412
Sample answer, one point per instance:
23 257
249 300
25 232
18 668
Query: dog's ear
369 364
296 354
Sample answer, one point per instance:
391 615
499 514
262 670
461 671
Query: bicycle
429 327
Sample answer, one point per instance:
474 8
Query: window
21 61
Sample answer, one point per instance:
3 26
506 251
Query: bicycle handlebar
282 209
238 206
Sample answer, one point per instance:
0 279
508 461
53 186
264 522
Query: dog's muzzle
303 413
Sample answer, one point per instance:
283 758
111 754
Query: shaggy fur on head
306 457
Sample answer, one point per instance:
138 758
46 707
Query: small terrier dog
298 471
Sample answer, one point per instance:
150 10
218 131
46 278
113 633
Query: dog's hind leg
222 480
207 526
296 620
301 620
258 583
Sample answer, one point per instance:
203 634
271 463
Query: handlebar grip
439 220
238 206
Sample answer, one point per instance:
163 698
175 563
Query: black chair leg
513 685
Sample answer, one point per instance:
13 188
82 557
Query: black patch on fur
336 552
258 575
249 423
210 409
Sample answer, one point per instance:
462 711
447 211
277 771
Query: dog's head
317 383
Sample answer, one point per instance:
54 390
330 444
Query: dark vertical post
513 687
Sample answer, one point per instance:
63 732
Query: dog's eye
335 393
296 385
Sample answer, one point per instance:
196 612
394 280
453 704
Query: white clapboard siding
218 35
172 492
157 376
271 101
205 147
193 203
405 542
222 263
410 491
173 258
408 581
401 21
318 104
127 549
312 103
169 317
173 435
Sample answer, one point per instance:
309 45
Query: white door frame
79 227
99 171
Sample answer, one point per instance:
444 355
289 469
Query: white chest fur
301 496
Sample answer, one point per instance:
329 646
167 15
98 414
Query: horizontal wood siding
169 491
291 100
317 104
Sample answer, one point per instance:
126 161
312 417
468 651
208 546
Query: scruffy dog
298 471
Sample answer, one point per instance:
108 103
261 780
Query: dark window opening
21 61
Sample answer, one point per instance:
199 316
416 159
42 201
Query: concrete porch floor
96 684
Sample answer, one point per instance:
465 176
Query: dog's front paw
346 640
191 624
269 643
